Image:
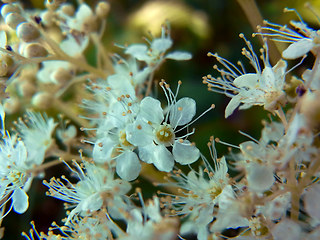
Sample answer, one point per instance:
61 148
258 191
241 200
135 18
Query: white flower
89 194
148 223
39 128
155 54
201 195
264 87
154 130
302 41
14 174
112 142
15 179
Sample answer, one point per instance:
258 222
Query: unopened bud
6 62
14 19
102 9
310 108
68 9
48 18
61 75
27 32
90 24
42 100
35 50
27 89
9 8
11 105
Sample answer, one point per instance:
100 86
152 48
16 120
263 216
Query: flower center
214 192
17 177
123 139
257 227
165 135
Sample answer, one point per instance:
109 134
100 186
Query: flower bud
68 9
48 18
6 62
27 89
35 50
27 32
9 8
14 19
310 108
61 75
102 9
90 24
42 100
11 105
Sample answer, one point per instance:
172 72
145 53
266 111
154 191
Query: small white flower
14 172
263 88
155 54
301 41
36 132
88 195
156 129
202 193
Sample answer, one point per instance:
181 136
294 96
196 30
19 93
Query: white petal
150 110
185 153
92 203
179 56
128 166
232 105
102 150
248 80
298 49
182 112
158 155
73 47
138 51
146 153
139 133
20 201
260 178
161 44
163 159
141 76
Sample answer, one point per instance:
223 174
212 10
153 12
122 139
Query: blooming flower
155 54
264 87
39 127
201 195
154 130
89 194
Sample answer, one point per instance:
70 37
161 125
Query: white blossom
263 88
88 194
156 129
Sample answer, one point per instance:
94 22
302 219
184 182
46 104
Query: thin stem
148 91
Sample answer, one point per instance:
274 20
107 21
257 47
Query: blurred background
197 26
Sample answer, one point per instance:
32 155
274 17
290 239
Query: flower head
264 87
